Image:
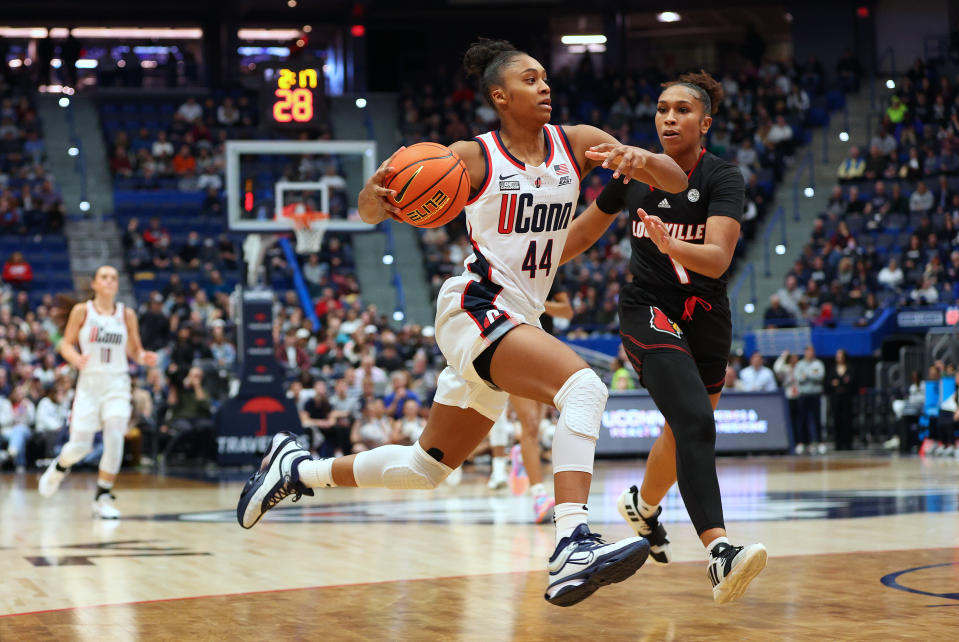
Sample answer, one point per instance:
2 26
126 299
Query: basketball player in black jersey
675 321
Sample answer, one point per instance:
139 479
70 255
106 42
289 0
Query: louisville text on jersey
681 231
520 214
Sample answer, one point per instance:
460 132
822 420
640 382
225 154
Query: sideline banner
745 422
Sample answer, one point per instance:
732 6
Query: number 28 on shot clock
294 91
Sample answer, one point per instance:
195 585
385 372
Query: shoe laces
726 551
592 540
289 487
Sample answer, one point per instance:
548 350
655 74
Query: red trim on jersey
489 171
505 152
550 144
568 148
478 253
702 152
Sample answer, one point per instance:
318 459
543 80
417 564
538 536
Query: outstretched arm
596 147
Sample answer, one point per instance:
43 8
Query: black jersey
716 188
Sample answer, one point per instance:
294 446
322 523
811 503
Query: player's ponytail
485 59
60 310
709 90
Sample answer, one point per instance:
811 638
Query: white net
309 234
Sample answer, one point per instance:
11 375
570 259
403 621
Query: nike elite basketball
431 184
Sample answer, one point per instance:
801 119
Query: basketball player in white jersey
107 333
524 187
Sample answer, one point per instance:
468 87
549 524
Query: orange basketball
431 184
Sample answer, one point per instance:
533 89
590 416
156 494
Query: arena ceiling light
597 39
268 34
668 16
23 32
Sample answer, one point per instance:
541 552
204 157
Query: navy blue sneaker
583 562
276 478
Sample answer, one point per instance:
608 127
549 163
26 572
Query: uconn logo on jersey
519 214
99 335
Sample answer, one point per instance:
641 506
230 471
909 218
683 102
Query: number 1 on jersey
680 271
104 355
545 262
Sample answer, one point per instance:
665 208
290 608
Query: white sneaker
103 507
648 527
732 568
800 449
892 443
276 478
821 448
50 479
582 562
497 481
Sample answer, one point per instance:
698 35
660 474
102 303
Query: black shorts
698 326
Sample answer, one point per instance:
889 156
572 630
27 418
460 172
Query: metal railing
736 305
80 164
400 308
779 218
890 54
805 166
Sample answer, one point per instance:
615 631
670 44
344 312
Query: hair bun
482 52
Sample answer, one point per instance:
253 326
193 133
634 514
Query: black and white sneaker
582 562
648 527
276 478
732 568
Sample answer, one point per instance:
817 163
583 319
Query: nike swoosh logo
402 193
503 178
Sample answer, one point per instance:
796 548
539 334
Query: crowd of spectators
890 230
29 200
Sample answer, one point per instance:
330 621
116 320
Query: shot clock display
293 96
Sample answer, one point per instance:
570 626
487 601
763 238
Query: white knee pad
399 468
78 447
581 402
112 458
499 433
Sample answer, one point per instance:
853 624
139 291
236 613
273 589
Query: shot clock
293 96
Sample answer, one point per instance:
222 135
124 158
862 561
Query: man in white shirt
921 200
756 377
891 276
190 110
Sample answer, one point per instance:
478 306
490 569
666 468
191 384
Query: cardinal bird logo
661 323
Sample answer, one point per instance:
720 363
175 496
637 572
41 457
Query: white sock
499 466
567 517
537 489
316 473
645 509
712 544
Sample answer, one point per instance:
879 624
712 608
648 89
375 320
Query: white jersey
104 338
519 219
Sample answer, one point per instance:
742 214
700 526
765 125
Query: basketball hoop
308 225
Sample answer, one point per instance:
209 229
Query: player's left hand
625 158
656 229
147 358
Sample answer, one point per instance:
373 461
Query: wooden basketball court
860 548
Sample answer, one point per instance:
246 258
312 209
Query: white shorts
100 396
469 317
